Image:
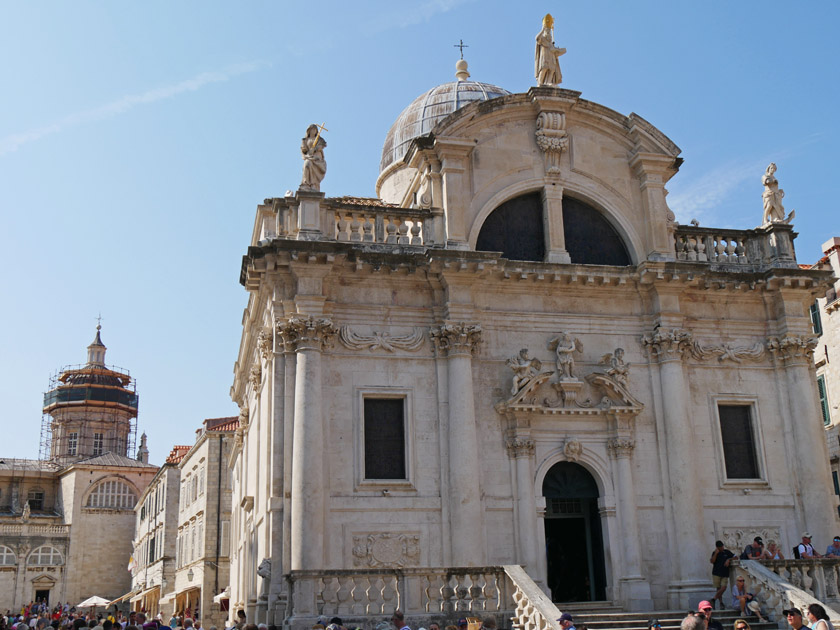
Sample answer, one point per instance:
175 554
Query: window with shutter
826 413
816 322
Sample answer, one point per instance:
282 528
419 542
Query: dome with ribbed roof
428 109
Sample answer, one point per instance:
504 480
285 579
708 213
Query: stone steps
607 616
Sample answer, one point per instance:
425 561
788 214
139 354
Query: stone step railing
766 246
364 597
781 584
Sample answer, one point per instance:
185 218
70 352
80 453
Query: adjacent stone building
826 323
67 519
515 355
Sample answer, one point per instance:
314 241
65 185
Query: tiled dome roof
424 112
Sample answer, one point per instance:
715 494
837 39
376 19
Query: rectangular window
72 443
736 433
826 413
151 550
201 482
225 546
98 440
816 322
836 482
384 438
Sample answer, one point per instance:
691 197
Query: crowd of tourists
39 616
815 615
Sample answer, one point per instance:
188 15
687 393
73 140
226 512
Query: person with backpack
805 549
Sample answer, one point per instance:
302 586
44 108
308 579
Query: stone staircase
608 616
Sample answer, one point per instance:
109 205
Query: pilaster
653 170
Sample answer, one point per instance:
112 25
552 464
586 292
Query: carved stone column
458 342
307 337
653 171
689 577
808 443
635 589
555 237
521 449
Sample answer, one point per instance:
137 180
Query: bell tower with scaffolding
89 410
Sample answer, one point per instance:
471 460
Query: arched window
515 228
45 556
590 238
7 557
112 493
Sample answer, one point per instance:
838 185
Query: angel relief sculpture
617 369
564 348
524 369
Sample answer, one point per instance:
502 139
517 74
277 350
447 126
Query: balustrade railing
19 529
762 246
395 227
781 584
369 595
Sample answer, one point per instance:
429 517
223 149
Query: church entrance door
573 539
43 596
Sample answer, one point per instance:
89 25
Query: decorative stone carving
27 512
425 194
452 339
546 64
727 351
736 538
520 447
255 377
790 347
667 344
385 550
384 340
264 571
305 333
620 447
572 450
552 139
524 369
617 369
314 165
774 211
564 348
265 343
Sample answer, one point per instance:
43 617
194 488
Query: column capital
305 333
453 339
620 447
520 447
265 343
792 349
667 345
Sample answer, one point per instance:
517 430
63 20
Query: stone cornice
298 333
453 339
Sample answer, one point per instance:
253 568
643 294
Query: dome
424 112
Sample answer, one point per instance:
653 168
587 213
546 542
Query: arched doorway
573 540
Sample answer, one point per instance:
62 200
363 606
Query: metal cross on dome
460 45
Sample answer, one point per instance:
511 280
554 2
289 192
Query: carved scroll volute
552 139
456 339
791 349
305 333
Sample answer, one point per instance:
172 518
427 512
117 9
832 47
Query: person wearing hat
566 621
462 624
653 624
833 550
754 550
705 607
805 548
794 617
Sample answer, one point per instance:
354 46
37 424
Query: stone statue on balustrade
314 165
524 369
617 369
564 348
774 211
546 64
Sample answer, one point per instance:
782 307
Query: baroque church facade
67 518
514 355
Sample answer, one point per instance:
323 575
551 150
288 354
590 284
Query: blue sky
137 139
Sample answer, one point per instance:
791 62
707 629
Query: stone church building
514 355
67 518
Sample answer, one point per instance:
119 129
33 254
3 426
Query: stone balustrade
21 529
392 226
761 247
781 584
367 596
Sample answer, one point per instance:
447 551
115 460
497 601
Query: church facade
67 519
515 355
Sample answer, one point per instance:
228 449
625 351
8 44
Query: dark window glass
384 438
590 239
516 229
836 482
36 500
826 414
738 444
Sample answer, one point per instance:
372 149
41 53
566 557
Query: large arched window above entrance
515 228
590 238
7 557
45 556
112 493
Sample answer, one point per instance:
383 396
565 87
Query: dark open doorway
573 538
43 596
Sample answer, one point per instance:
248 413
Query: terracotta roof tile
177 454
361 201
231 425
